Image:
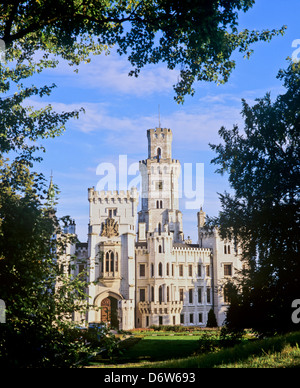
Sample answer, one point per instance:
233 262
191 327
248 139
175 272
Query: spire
51 193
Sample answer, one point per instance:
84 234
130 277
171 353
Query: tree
196 36
211 319
263 214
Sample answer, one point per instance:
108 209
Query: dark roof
81 245
183 245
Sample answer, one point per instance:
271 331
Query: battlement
159 131
116 195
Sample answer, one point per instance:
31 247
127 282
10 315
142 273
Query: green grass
276 352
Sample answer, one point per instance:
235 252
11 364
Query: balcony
174 307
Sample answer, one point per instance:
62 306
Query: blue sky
120 109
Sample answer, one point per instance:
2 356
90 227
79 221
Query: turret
159 144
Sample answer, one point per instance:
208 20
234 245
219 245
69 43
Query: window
159 249
109 262
152 294
191 295
199 271
180 269
208 296
225 249
200 318
158 155
199 295
172 270
182 319
160 320
160 294
160 269
142 269
161 204
147 320
112 262
228 249
191 318
159 228
227 269
112 212
168 270
168 294
142 295
190 270
117 263
208 270
152 270
159 185
181 294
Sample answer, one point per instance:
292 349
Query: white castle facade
141 271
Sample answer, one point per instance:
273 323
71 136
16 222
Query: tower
160 191
111 256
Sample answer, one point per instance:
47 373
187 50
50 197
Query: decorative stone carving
110 228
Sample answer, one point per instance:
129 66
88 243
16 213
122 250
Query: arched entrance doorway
109 312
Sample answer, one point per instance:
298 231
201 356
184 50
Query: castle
141 271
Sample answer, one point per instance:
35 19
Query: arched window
160 269
112 262
107 262
159 249
161 204
158 154
160 294
157 204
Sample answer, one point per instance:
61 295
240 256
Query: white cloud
110 73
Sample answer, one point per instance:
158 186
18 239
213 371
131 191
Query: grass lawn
176 351
156 348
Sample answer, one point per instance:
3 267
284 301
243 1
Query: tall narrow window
199 271
208 295
152 270
107 262
160 269
142 270
152 294
181 294
161 204
168 269
168 294
112 262
199 295
180 269
159 228
191 295
160 294
158 154
159 249
117 263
